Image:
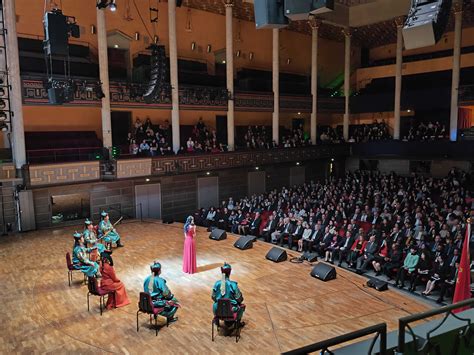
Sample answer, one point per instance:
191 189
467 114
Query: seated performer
80 259
107 230
90 238
160 294
225 288
110 282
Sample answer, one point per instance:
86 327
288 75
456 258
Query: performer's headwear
155 267
189 220
107 255
88 222
226 269
77 235
104 214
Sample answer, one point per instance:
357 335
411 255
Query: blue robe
91 238
161 295
232 293
82 262
113 236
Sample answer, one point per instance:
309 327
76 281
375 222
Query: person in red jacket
356 249
110 282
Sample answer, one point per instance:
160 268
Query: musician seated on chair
80 258
226 288
160 293
90 238
107 230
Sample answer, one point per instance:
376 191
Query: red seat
95 290
71 269
145 305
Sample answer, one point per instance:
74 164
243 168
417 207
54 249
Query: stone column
276 85
347 79
453 121
314 23
229 60
104 78
174 75
398 78
13 62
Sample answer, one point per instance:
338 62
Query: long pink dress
189 254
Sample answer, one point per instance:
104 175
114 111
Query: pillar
453 121
276 85
347 79
13 62
104 78
314 23
398 79
174 75
229 60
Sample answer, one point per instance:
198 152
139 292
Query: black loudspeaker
300 9
269 14
218 234
56 96
179 3
379 285
56 34
311 257
158 74
426 23
324 272
244 243
277 255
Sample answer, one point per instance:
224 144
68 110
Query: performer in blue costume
160 293
80 259
107 230
90 237
226 288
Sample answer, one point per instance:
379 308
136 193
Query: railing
380 330
61 155
466 93
404 323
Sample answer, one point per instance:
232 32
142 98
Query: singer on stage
189 254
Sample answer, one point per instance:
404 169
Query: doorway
121 125
256 182
148 201
208 192
221 129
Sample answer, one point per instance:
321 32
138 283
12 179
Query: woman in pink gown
189 254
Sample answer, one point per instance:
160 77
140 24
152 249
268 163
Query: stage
286 307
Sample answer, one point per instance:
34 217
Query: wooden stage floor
286 307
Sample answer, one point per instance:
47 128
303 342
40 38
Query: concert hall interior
237 176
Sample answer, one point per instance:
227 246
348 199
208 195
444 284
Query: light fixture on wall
93 30
155 39
251 56
193 46
189 26
237 54
209 48
137 36
288 61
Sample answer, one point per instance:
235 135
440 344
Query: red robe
110 282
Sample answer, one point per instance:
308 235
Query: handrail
379 329
404 322
56 149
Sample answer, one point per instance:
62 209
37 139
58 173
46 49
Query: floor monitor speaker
244 242
277 255
324 272
218 234
379 285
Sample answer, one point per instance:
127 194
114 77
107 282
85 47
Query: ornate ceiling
366 36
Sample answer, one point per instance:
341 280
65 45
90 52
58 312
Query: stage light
147 180
208 173
256 168
297 163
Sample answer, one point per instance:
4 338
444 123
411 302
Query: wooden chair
145 305
225 313
71 269
95 290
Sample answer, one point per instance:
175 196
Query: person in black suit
269 228
296 234
254 228
288 229
345 247
368 255
394 261
236 222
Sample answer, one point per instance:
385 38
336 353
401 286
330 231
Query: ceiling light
223 62
112 6
116 45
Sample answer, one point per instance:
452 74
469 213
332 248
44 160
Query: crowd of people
426 132
203 140
411 229
376 131
259 137
149 140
